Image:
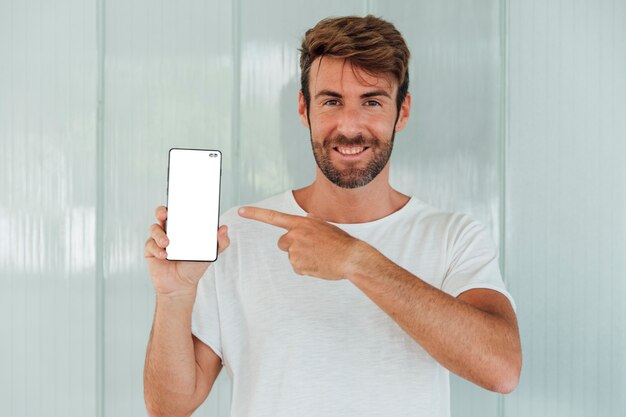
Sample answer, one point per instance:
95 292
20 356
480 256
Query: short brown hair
369 43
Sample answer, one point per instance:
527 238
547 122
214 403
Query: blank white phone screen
193 200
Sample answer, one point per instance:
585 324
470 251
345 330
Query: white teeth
350 151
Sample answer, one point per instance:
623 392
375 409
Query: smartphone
193 204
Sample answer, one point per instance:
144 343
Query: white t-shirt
299 346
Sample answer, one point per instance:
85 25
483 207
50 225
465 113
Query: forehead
328 73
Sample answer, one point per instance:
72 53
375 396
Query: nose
349 123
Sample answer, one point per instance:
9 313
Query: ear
304 118
405 112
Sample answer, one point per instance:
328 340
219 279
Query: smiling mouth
351 150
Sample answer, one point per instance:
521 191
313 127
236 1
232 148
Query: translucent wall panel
275 148
449 154
168 80
47 208
566 205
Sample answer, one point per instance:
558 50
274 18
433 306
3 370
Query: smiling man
346 297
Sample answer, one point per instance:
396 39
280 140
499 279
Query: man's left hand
315 247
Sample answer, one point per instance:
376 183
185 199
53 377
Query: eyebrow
375 93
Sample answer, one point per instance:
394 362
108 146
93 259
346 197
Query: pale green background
519 119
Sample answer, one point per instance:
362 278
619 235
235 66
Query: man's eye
331 102
372 103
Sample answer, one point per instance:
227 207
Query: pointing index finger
273 217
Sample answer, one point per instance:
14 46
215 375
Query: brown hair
369 43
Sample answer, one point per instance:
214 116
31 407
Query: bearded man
346 297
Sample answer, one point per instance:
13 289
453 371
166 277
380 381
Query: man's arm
179 370
475 335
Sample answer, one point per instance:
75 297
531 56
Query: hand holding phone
174 277
177 260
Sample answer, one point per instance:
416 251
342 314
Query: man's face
352 119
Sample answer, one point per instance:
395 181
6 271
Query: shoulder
452 222
454 227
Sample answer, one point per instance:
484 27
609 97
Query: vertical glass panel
566 205
275 147
168 81
47 208
449 154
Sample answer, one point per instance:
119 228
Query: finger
161 215
284 242
158 235
223 241
273 217
152 250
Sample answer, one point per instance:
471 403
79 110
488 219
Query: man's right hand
175 277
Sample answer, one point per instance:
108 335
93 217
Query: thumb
313 216
223 241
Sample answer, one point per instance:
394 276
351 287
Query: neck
359 205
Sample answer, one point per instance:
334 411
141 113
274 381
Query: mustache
341 140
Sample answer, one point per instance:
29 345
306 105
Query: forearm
170 368
473 344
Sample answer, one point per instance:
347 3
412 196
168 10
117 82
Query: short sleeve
474 263
205 320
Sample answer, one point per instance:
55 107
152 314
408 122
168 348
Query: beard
352 176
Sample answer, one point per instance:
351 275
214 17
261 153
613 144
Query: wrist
182 296
174 308
361 259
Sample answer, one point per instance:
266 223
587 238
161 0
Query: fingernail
242 210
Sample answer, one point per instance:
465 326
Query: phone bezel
219 198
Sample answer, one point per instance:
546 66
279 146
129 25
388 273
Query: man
346 297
